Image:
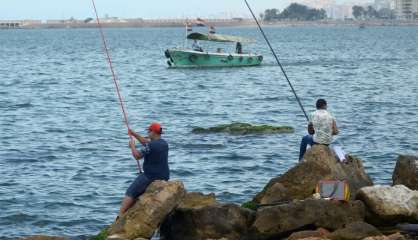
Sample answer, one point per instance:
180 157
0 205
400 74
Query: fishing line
278 61
115 80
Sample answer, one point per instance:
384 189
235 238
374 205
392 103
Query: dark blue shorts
138 187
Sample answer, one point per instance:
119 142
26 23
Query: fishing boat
184 57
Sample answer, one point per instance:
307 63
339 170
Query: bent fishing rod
115 79
278 61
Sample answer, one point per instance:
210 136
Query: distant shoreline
138 23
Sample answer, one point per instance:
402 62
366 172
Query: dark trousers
306 140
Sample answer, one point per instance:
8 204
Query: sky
81 9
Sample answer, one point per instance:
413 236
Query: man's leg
308 139
137 188
127 203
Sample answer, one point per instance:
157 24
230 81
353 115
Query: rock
243 128
390 205
213 221
396 236
39 237
197 200
319 164
282 220
355 231
376 238
314 238
319 233
150 210
406 172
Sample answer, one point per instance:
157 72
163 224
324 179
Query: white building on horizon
406 9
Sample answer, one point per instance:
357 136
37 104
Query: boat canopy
218 38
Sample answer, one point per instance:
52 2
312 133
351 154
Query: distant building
334 10
380 4
406 9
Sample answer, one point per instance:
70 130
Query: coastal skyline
49 9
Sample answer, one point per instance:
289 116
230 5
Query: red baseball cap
156 128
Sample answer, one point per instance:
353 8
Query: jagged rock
282 220
355 231
319 233
243 128
43 238
319 164
406 172
149 212
390 205
209 221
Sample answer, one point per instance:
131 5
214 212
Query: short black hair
321 103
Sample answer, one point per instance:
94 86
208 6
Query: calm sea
64 161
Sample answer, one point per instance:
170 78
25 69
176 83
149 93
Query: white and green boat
184 57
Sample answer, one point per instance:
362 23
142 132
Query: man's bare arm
335 130
138 137
311 129
135 153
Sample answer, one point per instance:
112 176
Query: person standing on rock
155 153
322 127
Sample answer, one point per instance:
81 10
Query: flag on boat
212 30
200 22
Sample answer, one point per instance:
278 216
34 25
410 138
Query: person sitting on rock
322 127
155 153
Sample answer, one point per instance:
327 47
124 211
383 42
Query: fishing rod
278 61
115 80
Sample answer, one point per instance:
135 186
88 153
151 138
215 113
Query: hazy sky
62 9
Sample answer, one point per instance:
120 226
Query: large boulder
389 205
149 212
355 231
200 217
319 163
281 220
406 172
319 233
40 237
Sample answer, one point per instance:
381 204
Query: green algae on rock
244 128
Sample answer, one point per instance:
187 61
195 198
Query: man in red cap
155 153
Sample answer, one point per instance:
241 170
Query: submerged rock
149 212
355 231
207 221
406 172
390 205
280 221
244 128
319 164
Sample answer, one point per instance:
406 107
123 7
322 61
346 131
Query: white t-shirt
322 121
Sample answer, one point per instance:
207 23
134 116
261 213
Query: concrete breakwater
145 23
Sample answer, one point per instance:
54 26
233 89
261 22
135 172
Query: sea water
64 157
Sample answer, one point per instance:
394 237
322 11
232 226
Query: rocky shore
284 209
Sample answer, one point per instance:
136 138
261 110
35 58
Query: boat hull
178 58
